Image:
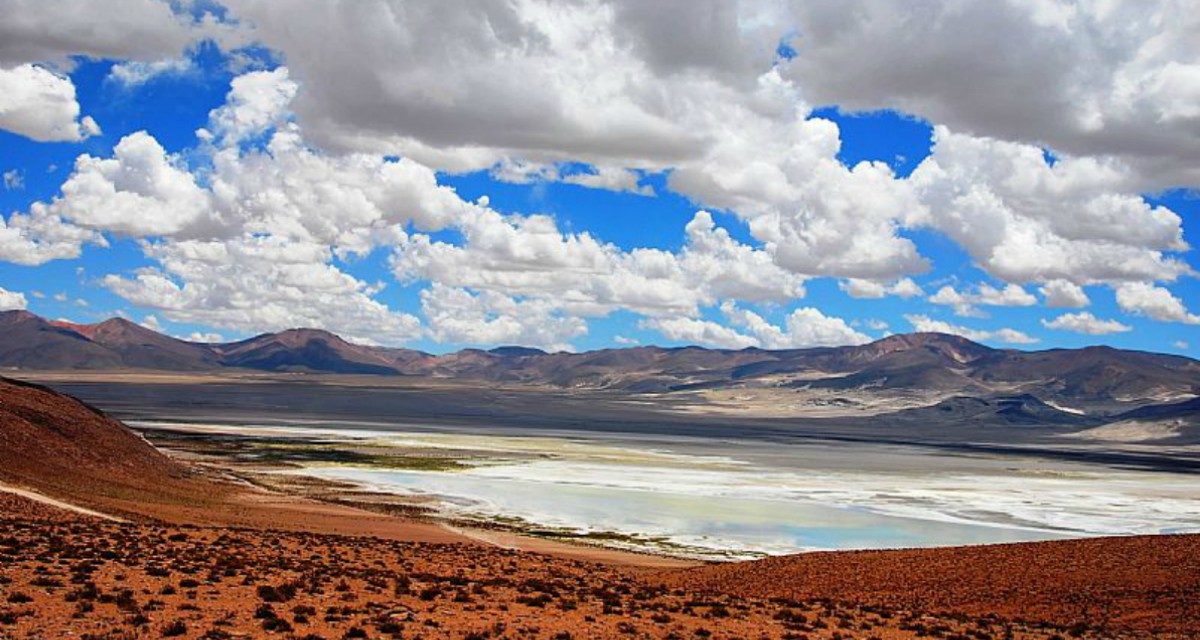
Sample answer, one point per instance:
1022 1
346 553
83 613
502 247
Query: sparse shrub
268 593
538 601
276 624
389 627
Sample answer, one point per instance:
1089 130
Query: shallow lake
724 525
719 498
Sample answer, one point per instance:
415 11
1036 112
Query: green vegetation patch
326 455
299 451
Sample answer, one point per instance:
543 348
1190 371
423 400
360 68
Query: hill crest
934 363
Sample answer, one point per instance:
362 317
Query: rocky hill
943 366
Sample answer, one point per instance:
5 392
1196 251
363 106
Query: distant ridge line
947 364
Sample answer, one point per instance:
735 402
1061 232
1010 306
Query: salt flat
716 498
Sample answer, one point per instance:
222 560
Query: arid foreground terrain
103 536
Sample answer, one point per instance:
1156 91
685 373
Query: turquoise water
729 525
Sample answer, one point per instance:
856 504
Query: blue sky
172 106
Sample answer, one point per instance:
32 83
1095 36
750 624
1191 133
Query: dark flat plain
361 402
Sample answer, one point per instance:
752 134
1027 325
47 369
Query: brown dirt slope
58 446
1147 585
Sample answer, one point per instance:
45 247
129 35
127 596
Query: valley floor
200 553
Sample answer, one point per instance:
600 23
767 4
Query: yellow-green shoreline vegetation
299 451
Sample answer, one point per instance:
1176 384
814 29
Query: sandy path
47 500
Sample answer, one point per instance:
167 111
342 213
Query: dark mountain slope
1091 372
1189 409
304 350
139 347
1098 379
1015 410
29 342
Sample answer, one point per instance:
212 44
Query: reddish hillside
1145 585
58 445
86 330
54 445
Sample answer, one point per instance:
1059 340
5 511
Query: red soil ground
1144 585
63 575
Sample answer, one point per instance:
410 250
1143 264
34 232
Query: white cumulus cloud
1007 335
802 328
1061 293
1158 303
1023 220
1118 79
10 300
140 191
1084 322
258 283
14 180
136 72
964 303
40 104
859 288
699 332
256 101
457 315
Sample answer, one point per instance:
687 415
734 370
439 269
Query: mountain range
947 366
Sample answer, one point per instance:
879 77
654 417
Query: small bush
276 624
